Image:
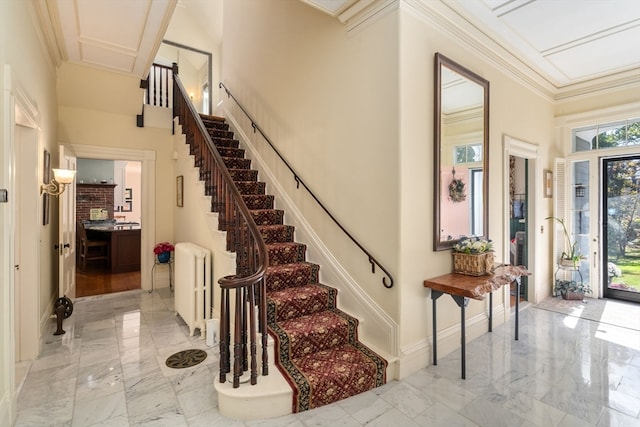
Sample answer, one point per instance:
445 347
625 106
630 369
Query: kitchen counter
124 243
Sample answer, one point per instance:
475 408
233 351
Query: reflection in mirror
461 147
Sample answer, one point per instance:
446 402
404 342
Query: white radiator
192 297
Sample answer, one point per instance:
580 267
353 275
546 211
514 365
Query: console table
462 288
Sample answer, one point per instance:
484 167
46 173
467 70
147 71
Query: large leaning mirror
461 153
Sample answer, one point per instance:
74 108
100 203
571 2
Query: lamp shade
63 176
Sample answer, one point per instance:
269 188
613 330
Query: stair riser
258 201
276 234
285 253
293 275
307 299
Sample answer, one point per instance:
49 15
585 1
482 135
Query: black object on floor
186 358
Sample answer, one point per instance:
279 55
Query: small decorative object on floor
163 251
186 358
473 256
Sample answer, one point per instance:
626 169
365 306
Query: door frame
148 202
530 151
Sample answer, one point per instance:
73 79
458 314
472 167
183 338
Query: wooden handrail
299 182
243 238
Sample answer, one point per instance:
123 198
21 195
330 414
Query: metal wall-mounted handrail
299 182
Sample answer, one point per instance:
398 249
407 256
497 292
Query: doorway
108 214
620 213
147 160
518 220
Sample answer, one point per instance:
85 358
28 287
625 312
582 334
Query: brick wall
93 196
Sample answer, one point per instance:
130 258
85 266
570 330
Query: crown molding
49 32
443 16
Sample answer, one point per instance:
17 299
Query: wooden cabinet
125 251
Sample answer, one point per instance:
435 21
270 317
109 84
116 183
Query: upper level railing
158 86
299 182
243 238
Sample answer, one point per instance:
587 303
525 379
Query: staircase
316 346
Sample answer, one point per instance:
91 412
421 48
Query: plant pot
572 295
164 257
472 264
568 263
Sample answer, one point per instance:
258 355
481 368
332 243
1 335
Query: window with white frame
623 133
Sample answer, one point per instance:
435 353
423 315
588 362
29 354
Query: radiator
192 289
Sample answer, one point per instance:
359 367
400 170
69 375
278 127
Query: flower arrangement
473 256
163 247
473 245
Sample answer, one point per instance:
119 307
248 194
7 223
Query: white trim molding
148 218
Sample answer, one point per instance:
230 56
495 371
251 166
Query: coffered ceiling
117 35
565 41
562 43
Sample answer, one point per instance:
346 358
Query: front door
621 227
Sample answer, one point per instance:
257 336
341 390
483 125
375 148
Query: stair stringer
272 395
376 329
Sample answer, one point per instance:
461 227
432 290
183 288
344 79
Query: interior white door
67 230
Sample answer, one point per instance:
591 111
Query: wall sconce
61 177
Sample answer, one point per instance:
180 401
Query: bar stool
91 250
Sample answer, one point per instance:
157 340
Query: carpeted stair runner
316 344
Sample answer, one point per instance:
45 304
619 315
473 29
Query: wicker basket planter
472 264
572 295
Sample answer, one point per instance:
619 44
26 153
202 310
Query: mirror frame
440 61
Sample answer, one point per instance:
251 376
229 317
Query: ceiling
564 42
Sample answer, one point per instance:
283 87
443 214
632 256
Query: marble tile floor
108 370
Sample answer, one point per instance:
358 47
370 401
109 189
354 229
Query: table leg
490 311
434 296
462 303
517 305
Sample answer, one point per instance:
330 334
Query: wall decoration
127 207
46 178
179 191
128 194
548 183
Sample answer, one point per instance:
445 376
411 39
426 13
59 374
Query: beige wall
32 77
353 112
514 111
329 103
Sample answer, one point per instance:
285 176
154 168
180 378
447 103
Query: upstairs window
468 153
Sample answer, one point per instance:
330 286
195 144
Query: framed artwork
547 183
179 191
46 168
127 194
46 178
127 207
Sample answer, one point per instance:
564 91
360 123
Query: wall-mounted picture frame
547 186
46 178
128 194
179 191
127 207
46 167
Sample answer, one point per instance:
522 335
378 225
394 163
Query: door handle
66 245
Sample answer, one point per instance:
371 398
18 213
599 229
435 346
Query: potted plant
571 289
163 251
473 256
570 257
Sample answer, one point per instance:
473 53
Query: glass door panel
621 227
581 216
